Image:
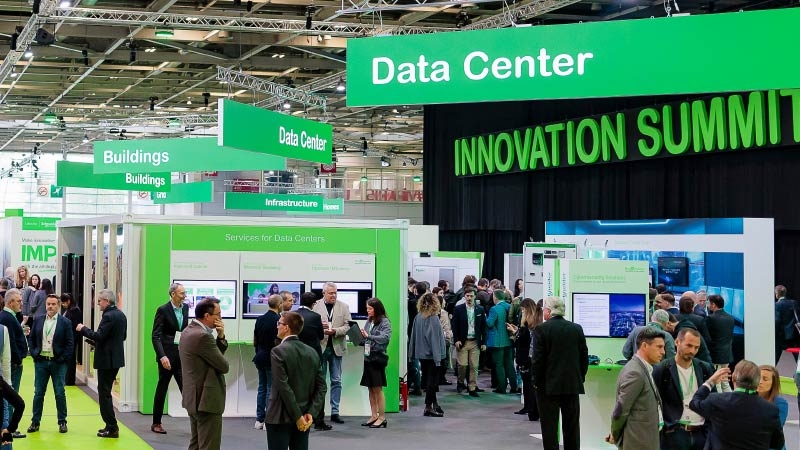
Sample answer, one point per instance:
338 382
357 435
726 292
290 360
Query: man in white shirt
52 346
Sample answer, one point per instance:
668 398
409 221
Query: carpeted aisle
83 420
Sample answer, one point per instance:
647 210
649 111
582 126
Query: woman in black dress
523 336
377 333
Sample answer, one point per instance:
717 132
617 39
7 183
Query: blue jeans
333 363
44 372
16 377
264 390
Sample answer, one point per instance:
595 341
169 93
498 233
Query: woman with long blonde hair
428 346
532 315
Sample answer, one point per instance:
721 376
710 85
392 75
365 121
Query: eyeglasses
281 323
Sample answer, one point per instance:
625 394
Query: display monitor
224 290
355 294
255 294
609 315
673 270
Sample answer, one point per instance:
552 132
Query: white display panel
224 290
591 312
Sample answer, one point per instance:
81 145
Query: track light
364 145
249 6
462 19
413 162
28 53
65 4
385 162
237 2
153 101
287 105
133 55
36 6
14 38
13 73
85 54
308 18
340 86
85 138
206 96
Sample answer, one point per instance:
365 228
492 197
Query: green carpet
83 420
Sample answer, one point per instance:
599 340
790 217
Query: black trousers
286 436
570 408
430 379
105 381
164 377
8 394
69 380
529 396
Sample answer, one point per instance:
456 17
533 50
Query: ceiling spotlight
13 73
14 38
206 96
385 162
416 178
462 19
364 178
189 101
36 6
249 6
85 138
308 18
188 128
28 53
287 105
340 86
153 101
85 54
65 4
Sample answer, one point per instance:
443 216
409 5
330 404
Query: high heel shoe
380 425
369 423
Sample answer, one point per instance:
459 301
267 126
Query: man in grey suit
204 367
298 394
637 413
335 321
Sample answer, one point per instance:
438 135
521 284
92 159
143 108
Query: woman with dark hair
428 346
532 316
519 287
377 333
27 294
37 303
769 388
75 316
444 318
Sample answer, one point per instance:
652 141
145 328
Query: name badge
177 339
366 348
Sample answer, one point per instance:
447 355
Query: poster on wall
37 246
224 290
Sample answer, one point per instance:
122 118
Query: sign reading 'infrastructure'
77 174
735 122
598 59
274 202
261 130
177 155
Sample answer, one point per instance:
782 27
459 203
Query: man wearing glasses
204 367
109 356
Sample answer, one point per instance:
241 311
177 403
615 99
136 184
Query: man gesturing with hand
298 388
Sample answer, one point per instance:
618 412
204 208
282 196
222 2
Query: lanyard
49 325
688 390
746 391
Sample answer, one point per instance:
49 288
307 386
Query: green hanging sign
706 53
178 155
201 192
261 130
274 202
76 174
330 206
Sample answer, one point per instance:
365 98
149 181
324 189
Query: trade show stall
449 266
29 241
240 261
534 255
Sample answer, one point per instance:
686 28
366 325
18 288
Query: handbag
378 358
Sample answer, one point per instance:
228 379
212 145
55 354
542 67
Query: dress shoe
336 419
369 422
445 383
430 412
322 426
114 434
461 387
62 427
102 429
157 428
474 393
33 428
380 425
18 435
258 425
437 408
477 389
521 412
533 418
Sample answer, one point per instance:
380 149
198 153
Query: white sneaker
259 425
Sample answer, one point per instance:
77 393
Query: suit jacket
203 366
699 323
340 315
165 325
63 340
311 334
739 421
460 324
560 357
109 350
784 319
720 328
665 375
264 335
634 421
19 345
298 386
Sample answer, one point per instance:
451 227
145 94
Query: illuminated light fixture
164 33
28 53
85 138
385 162
65 4
13 73
50 118
340 86
189 101
416 178
287 105
150 50
295 176
364 178
281 56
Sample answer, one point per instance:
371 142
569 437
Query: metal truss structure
285 93
512 16
25 38
368 6
165 122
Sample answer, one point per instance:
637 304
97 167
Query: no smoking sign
43 191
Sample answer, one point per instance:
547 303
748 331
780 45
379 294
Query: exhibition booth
29 241
240 261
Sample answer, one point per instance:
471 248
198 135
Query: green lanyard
691 381
49 325
746 391
179 316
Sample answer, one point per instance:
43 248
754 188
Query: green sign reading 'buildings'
724 123
260 130
200 192
178 155
703 54
76 174
274 202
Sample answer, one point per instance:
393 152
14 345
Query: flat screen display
224 290
609 315
255 294
355 294
673 270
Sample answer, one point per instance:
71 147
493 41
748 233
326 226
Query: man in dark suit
299 393
72 313
469 336
560 363
109 356
52 346
171 319
740 420
19 345
204 367
686 306
311 334
785 333
677 379
720 328
264 336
